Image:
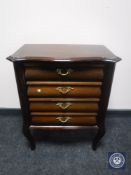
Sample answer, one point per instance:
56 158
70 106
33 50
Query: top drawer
64 74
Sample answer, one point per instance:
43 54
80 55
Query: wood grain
74 107
66 83
64 99
62 128
54 91
40 69
34 73
63 52
47 120
63 114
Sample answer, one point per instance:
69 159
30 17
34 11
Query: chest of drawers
64 87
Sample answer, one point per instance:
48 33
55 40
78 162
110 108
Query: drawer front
64 106
64 91
66 120
64 74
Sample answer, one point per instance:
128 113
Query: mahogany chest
63 87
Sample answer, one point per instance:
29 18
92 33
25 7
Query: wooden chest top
63 52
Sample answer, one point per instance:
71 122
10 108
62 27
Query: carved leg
30 138
99 135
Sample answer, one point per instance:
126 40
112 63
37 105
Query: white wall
105 22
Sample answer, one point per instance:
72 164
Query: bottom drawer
66 120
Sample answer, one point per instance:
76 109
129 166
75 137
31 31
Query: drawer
63 91
62 74
66 120
73 106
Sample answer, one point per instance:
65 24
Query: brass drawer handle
63 119
64 105
64 90
64 73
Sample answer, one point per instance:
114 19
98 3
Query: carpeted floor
66 153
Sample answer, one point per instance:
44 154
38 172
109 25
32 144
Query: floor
65 153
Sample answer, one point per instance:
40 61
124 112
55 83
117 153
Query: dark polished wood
60 128
63 99
63 52
61 74
22 89
64 87
61 120
64 91
95 83
64 106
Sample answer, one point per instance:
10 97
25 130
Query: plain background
106 22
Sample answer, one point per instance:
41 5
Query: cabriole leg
99 135
28 135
